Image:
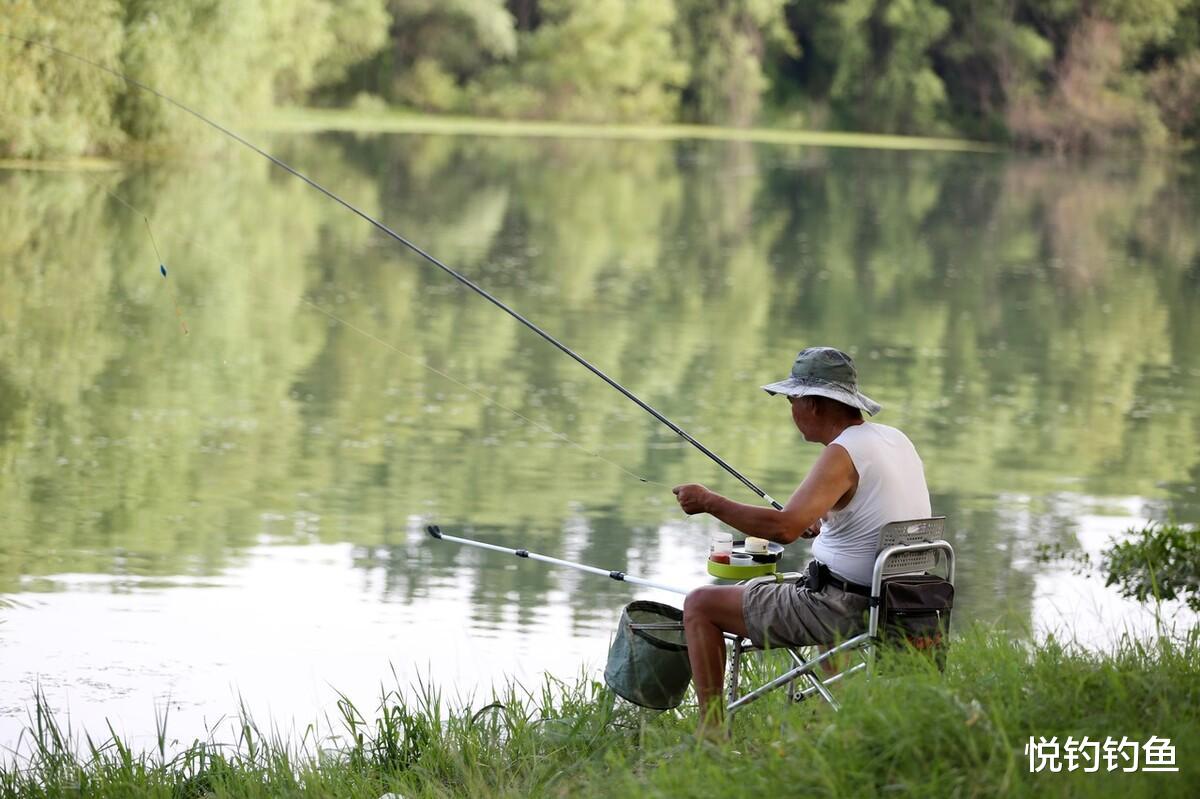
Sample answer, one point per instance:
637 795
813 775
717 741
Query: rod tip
434 531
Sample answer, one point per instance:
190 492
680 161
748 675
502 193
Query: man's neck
835 429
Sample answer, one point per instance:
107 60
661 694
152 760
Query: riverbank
318 120
315 120
911 732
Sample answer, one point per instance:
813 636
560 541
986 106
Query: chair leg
816 682
735 671
795 693
806 669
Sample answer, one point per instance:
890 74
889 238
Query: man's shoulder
866 429
887 429
874 430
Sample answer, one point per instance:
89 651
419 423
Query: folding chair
905 548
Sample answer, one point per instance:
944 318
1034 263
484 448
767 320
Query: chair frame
905 547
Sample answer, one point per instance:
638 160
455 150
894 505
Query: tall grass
908 731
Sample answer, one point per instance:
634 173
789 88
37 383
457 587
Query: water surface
238 510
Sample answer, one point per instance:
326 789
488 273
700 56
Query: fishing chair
907 552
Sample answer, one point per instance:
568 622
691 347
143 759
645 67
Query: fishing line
162 265
410 245
162 268
419 361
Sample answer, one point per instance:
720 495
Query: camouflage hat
825 372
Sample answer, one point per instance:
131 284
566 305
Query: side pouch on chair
916 613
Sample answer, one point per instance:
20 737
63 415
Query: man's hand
693 498
813 530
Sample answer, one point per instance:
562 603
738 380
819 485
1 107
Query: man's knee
698 603
710 603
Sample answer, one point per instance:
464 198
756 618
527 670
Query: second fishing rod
461 278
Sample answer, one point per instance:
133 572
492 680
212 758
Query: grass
312 120
908 732
316 120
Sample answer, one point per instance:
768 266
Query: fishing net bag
648 660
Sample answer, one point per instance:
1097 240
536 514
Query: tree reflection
1030 324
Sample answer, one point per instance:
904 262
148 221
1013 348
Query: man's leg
707 613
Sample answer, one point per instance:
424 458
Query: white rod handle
619 576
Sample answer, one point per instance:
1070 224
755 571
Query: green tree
314 43
53 105
726 46
884 79
599 61
988 59
199 54
1062 74
1090 91
233 57
227 58
436 49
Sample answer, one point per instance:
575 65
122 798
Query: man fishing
868 475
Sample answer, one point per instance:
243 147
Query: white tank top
891 488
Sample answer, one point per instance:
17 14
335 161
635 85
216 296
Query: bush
1162 563
1176 90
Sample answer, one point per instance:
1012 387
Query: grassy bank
316 120
910 732
313 120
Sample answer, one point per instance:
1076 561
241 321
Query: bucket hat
825 372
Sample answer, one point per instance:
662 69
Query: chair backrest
913 531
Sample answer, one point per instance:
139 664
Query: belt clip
815 579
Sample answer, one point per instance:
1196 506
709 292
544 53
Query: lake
214 484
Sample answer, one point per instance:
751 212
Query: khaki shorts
789 614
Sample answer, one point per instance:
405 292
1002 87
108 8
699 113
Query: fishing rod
461 278
619 576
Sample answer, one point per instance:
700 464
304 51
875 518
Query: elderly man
868 475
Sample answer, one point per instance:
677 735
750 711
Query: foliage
1064 75
1175 88
228 58
607 59
1093 104
726 46
884 79
1094 94
434 50
989 59
358 29
1067 75
52 105
909 732
174 44
1162 562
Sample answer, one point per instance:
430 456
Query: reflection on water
242 506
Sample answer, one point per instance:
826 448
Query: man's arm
832 477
